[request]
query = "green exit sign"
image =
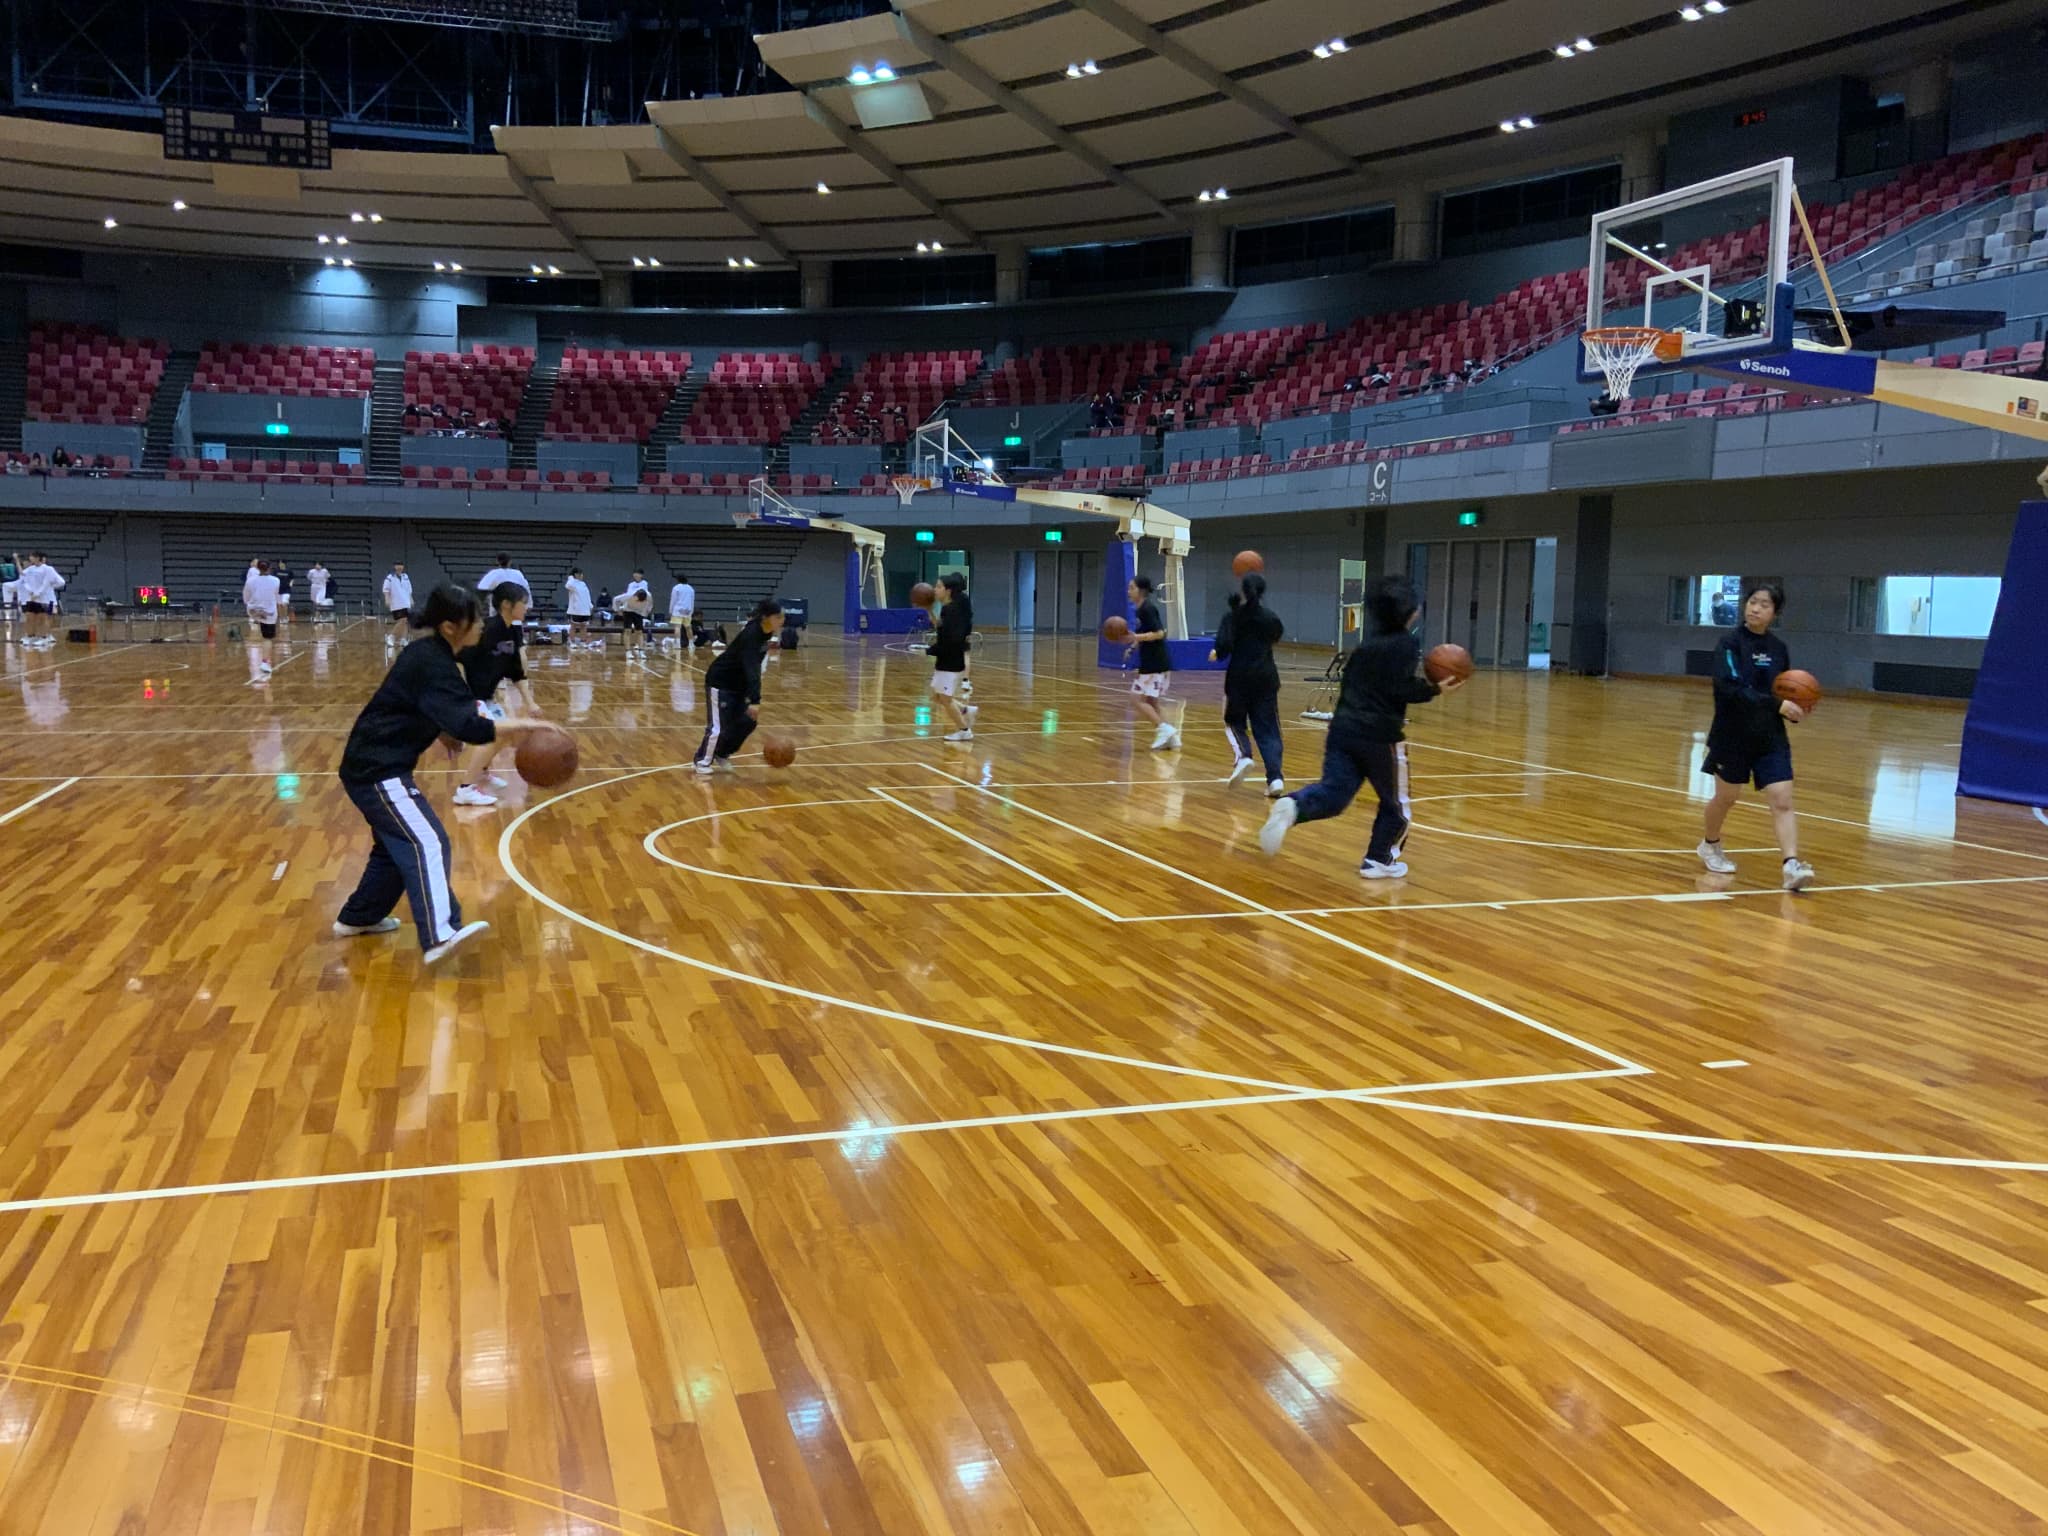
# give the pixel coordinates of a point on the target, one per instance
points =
(1013, 442)
(925, 536)
(277, 429)
(1053, 535)
(1471, 517)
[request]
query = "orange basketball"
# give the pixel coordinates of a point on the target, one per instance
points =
(1802, 688)
(1247, 561)
(923, 595)
(1446, 663)
(546, 758)
(1115, 628)
(778, 751)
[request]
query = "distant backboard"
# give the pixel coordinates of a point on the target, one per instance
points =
(1709, 260)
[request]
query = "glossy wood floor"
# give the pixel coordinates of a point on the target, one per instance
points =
(944, 1140)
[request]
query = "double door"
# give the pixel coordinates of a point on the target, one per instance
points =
(1481, 594)
(1065, 590)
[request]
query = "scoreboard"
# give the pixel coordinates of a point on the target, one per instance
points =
(247, 138)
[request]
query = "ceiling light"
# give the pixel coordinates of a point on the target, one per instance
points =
(858, 75)
(746, 261)
(323, 239)
(1584, 45)
(1214, 195)
(454, 266)
(1563, 50)
(341, 239)
(330, 261)
(534, 270)
(553, 270)
(1689, 12)
(924, 247)
(883, 73)
(732, 261)
(823, 190)
(355, 218)
(1321, 50)
(177, 205)
(638, 262)
(440, 266)
(1204, 196)
(653, 261)
(346, 262)
(1525, 122)
(936, 247)
(1090, 67)
(110, 223)
(1338, 45)
(1073, 71)
(376, 218)
(1507, 127)
(1712, 7)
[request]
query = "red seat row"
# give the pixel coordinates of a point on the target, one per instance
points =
(1048, 375)
(80, 373)
(487, 380)
(117, 466)
(612, 397)
(266, 368)
(285, 471)
(450, 477)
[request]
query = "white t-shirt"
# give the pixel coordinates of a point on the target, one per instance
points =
(260, 594)
(498, 575)
(639, 587)
(682, 598)
(316, 581)
(39, 583)
(397, 592)
(579, 598)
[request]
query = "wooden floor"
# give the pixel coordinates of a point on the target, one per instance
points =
(943, 1140)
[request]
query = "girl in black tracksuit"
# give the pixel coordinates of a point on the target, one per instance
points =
(423, 696)
(1381, 679)
(732, 688)
(1251, 682)
(1747, 742)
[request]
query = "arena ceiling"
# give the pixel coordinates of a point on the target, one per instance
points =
(985, 138)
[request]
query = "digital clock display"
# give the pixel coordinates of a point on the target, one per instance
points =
(1756, 117)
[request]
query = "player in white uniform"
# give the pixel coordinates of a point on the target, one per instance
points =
(39, 585)
(577, 591)
(397, 603)
(682, 615)
(317, 578)
(497, 576)
(633, 606)
(260, 597)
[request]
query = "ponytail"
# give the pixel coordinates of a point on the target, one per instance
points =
(1254, 588)
(766, 608)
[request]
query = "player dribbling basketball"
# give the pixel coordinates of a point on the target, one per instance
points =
(422, 697)
(1747, 743)
(732, 689)
(495, 663)
(948, 652)
(1155, 664)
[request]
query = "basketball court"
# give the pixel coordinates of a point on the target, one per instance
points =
(937, 1138)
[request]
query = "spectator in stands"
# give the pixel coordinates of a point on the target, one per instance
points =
(1603, 404)
(1379, 378)
(60, 458)
(413, 414)
(1352, 384)
(37, 466)
(16, 464)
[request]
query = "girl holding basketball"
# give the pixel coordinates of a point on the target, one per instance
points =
(1155, 663)
(948, 651)
(732, 688)
(1251, 682)
(1381, 679)
(423, 696)
(1747, 743)
(495, 662)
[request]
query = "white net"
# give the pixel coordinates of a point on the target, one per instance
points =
(1620, 350)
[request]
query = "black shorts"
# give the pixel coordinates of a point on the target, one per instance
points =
(267, 631)
(35, 608)
(1772, 766)
(632, 620)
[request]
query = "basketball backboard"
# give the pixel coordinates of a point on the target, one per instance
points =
(1709, 260)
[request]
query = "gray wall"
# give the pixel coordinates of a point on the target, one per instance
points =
(1804, 122)
(1817, 534)
(242, 418)
(1995, 88)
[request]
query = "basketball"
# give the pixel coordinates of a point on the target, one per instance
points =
(1802, 688)
(923, 595)
(546, 758)
(1447, 663)
(778, 751)
(1247, 561)
(1115, 628)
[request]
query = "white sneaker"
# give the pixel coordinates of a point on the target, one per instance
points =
(1166, 736)
(351, 931)
(1275, 788)
(1798, 874)
(495, 782)
(723, 765)
(959, 736)
(966, 688)
(469, 794)
(1278, 825)
(703, 768)
(1239, 769)
(1373, 870)
(1712, 856)
(467, 931)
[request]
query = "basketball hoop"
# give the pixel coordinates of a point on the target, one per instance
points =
(906, 487)
(1619, 350)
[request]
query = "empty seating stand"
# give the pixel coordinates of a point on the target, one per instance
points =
(254, 471)
(265, 368)
(1054, 375)
(1100, 477)
(487, 381)
(893, 393)
(753, 397)
(610, 396)
(79, 373)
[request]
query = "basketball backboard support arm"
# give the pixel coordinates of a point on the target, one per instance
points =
(769, 508)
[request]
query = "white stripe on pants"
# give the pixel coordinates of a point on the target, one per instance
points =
(716, 730)
(427, 848)
(1407, 807)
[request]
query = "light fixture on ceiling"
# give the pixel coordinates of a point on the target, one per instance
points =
(1704, 8)
(1573, 49)
(110, 223)
(883, 73)
(823, 190)
(454, 266)
(1214, 195)
(732, 261)
(1517, 124)
(534, 270)
(1335, 45)
(324, 239)
(553, 270)
(924, 247)
(747, 261)
(376, 218)
(937, 249)
(654, 261)
(329, 260)
(1085, 67)
(858, 75)
(177, 205)
(355, 218)
(440, 266)
(638, 262)
(346, 262)
(1583, 45)
(341, 239)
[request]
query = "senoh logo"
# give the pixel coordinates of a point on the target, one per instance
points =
(1747, 366)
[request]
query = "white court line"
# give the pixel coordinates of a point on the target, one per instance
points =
(2041, 816)
(1723, 1066)
(1738, 1144)
(1395, 909)
(1295, 922)
(29, 805)
(648, 843)
(278, 873)
(300, 648)
(1053, 887)
(76, 661)
(1473, 794)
